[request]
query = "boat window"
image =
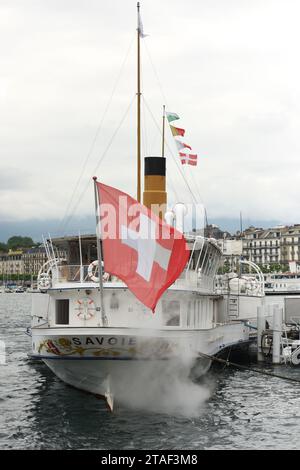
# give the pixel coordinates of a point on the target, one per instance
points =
(171, 312)
(62, 312)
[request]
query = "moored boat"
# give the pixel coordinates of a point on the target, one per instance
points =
(97, 331)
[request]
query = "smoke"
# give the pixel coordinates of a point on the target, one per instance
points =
(163, 386)
(160, 378)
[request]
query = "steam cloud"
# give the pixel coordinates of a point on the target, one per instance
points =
(162, 387)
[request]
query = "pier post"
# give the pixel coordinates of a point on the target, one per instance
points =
(260, 328)
(277, 332)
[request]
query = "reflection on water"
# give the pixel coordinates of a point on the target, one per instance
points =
(38, 411)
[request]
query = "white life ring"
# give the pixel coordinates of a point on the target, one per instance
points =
(44, 280)
(92, 269)
(86, 308)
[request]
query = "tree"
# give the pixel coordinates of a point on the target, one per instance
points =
(19, 242)
(223, 269)
(275, 268)
(3, 247)
(263, 268)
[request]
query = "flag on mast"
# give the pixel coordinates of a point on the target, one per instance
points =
(188, 158)
(139, 247)
(181, 145)
(140, 24)
(177, 131)
(172, 116)
(185, 156)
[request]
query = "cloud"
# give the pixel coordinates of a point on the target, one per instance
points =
(13, 180)
(229, 69)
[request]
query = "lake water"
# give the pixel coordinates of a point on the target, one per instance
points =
(244, 410)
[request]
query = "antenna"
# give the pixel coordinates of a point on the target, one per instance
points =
(163, 132)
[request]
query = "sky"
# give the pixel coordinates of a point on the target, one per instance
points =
(228, 68)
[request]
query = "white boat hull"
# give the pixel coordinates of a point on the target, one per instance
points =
(109, 360)
(115, 377)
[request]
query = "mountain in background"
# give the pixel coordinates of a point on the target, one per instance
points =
(37, 228)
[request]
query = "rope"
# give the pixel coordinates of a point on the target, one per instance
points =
(195, 183)
(99, 162)
(166, 102)
(251, 369)
(172, 154)
(98, 130)
(170, 180)
(156, 74)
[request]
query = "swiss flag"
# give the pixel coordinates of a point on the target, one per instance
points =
(139, 247)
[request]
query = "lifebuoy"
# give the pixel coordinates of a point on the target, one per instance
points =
(44, 280)
(86, 308)
(92, 269)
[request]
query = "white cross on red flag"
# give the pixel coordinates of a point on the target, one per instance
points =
(188, 158)
(138, 247)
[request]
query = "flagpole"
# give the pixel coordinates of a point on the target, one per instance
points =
(163, 132)
(80, 257)
(138, 110)
(99, 253)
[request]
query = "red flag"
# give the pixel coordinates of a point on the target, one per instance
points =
(177, 131)
(139, 247)
(189, 158)
(182, 145)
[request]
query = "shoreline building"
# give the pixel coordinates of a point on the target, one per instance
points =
(11, 263)
(24, 261)
(290, 245)
(33, 259)
(278, 246)
(263, 246)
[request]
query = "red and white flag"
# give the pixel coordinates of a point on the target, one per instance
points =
(138, 247)
(185, 157)
(188, 158)
(181, 145)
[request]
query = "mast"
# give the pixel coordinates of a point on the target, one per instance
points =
(80, 256)
(138, 108)
(163, 132)
(241, 223)
(99, 252)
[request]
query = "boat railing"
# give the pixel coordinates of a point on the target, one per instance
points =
(187, 277)
(244, 284)
(205, 283)
(64, 273)
(78, 273)
(203, 263)
(72, 273)
(240, 288)
(194, 279)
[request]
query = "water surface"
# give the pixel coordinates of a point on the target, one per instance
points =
(245, 410)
